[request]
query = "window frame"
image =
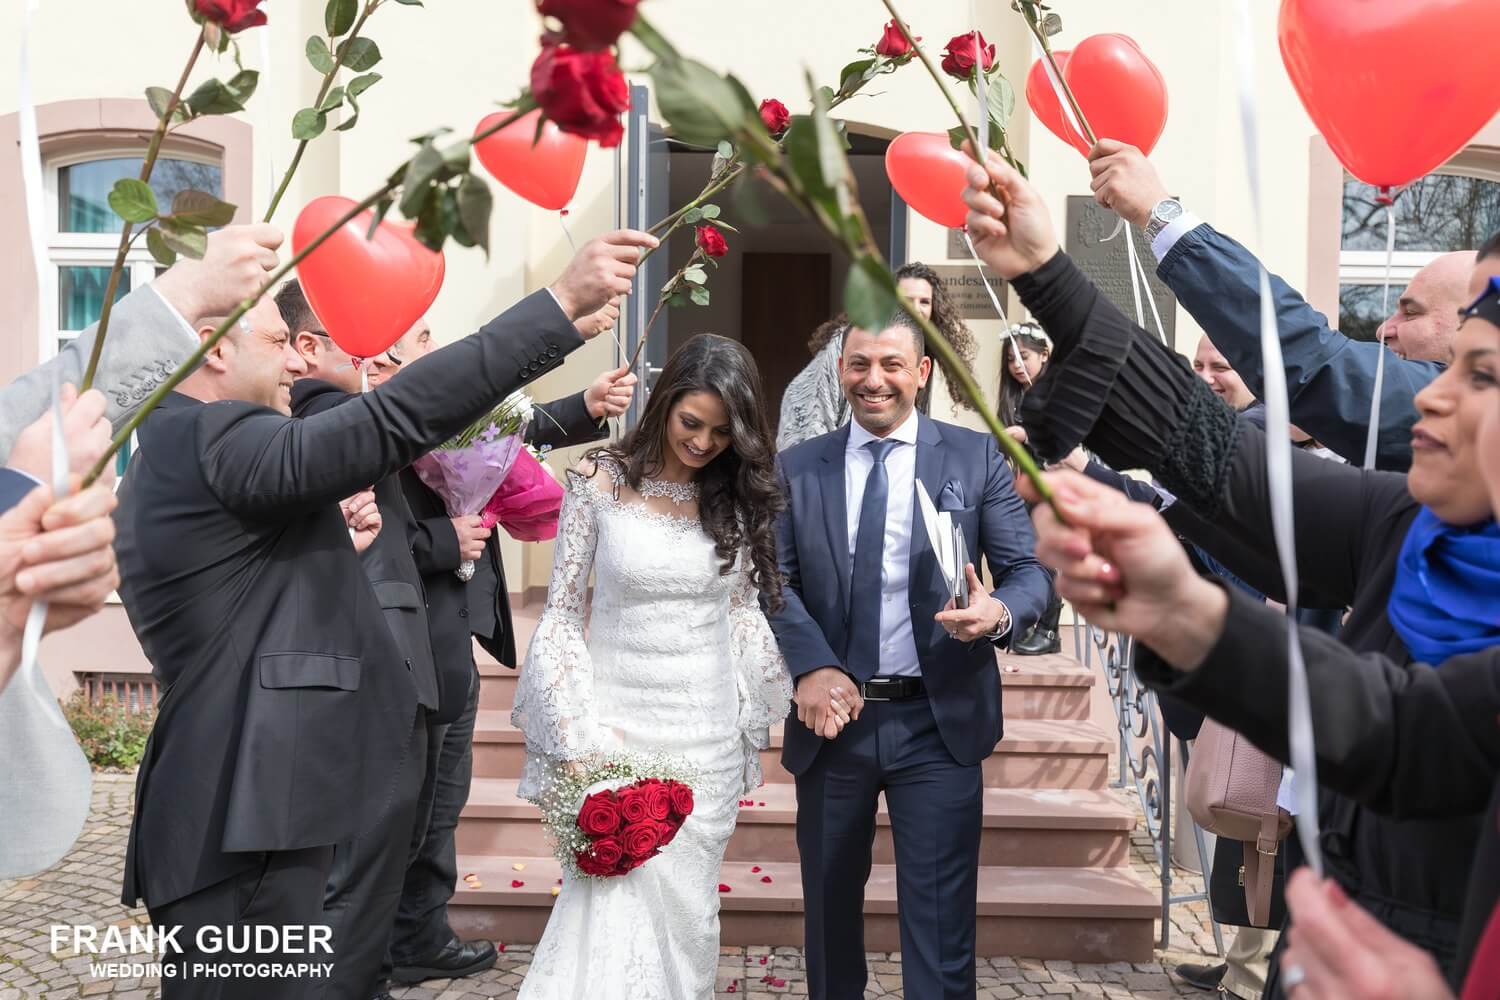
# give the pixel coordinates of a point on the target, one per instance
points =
(66, 249)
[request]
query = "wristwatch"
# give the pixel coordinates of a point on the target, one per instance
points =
(1001, 627)
(1166, 211)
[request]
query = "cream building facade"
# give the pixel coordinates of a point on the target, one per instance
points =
(450, 62)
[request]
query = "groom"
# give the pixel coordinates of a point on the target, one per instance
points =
(868, 638)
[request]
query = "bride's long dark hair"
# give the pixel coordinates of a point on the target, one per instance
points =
(739, 494)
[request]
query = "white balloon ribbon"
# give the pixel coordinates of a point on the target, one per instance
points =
(1279, 474)
(1010, 334)
(1372, 435)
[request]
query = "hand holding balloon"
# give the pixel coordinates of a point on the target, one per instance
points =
(1007, 220)
(601, 271)
(1125, 181)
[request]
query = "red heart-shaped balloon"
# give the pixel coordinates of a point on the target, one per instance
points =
(928, 173)
(545, 173)
(365, 292)
(1046, 105)
(1396, 87)
(1122, 93)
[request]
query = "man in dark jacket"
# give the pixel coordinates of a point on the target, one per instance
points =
(424, 946)
(364, 884)
(286, 713)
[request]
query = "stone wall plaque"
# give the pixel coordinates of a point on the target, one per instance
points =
(967, 290)
(1108, 265)
(957, 249)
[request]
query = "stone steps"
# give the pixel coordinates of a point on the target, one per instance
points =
(1082, 914)
(1032, 687)
(1040, 828)
(1035, 753)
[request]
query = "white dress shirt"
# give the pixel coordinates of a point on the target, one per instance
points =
(1174, 231)
(898, 646)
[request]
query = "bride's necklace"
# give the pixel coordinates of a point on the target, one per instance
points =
(676, 492)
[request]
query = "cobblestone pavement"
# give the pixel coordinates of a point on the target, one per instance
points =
(84, 889)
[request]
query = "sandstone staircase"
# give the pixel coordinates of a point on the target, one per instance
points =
(1055, 880)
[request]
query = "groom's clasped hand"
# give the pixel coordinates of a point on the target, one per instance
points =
(827, 700)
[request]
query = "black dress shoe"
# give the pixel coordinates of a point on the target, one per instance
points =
(1038, 642)
(457, 960)
(1205, 977)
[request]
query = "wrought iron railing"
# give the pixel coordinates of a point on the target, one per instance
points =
(1145, 754)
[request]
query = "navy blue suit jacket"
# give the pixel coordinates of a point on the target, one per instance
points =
(964, 473)
(13, 487)
(1330, 378)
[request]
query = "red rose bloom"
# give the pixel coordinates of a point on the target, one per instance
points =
(682, 799)
(958, 57)
(659, 801)
(591, 24)
(599, 814)
(667, 832)
(633, 805)
(775, 115)
(583, 92)
(893, 43)
(608, 850)
(711, 241)
(232, 15)
(640, 839)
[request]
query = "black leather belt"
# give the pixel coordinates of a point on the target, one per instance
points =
(892, 688)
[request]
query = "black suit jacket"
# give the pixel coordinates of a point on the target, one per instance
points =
(966, 475)
(460, 612)
(388, 564)
(286, 708)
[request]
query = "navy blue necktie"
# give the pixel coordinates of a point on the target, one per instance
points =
(863, 659)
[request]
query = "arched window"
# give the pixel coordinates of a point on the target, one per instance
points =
(1455, 209)
(85, 232)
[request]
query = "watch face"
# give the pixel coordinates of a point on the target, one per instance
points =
(1167, 210)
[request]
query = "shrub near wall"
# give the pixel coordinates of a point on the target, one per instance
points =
(112, 736)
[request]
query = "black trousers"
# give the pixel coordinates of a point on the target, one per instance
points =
(936, 809)
(284, 889)
(422, 918)
(364, 886)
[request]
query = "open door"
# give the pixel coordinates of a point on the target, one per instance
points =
(648, 176)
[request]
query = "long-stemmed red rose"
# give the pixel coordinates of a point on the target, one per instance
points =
(583, 92)
(233, 16)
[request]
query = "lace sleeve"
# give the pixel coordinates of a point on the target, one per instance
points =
(555, 694)
(761, 675)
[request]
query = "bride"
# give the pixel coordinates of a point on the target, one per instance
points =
(677, 524)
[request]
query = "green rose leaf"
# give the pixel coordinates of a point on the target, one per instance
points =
(653, 41)
(242, 85)
(200, 208)
(334, 99)
(692, 216)
(360, 84)
(1052, 25)
(474, 204)
(852, 76)
(699, 295)
(710, 211)
(438, 219)
(184, 237)
(801, 145)
(1002, 99)
(308, 123)
(702, 107)
(748, 206)
(695, 275)
(359, 54)
(213, 98)
(133, 200)
(410, 3)
(160, 252)
(318, 55)
(424, 168)
(159, 98)
(870, 294)
(377, 215)
(338, 17)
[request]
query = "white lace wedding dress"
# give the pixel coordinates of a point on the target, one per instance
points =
(678, 659)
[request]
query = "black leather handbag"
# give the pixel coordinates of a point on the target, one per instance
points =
(1226, 886)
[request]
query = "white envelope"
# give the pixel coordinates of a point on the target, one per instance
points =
(947, 543)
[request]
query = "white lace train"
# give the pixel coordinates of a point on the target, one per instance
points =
(678, 659)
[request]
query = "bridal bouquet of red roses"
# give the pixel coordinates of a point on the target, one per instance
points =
(629, 826)
(613, 817)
